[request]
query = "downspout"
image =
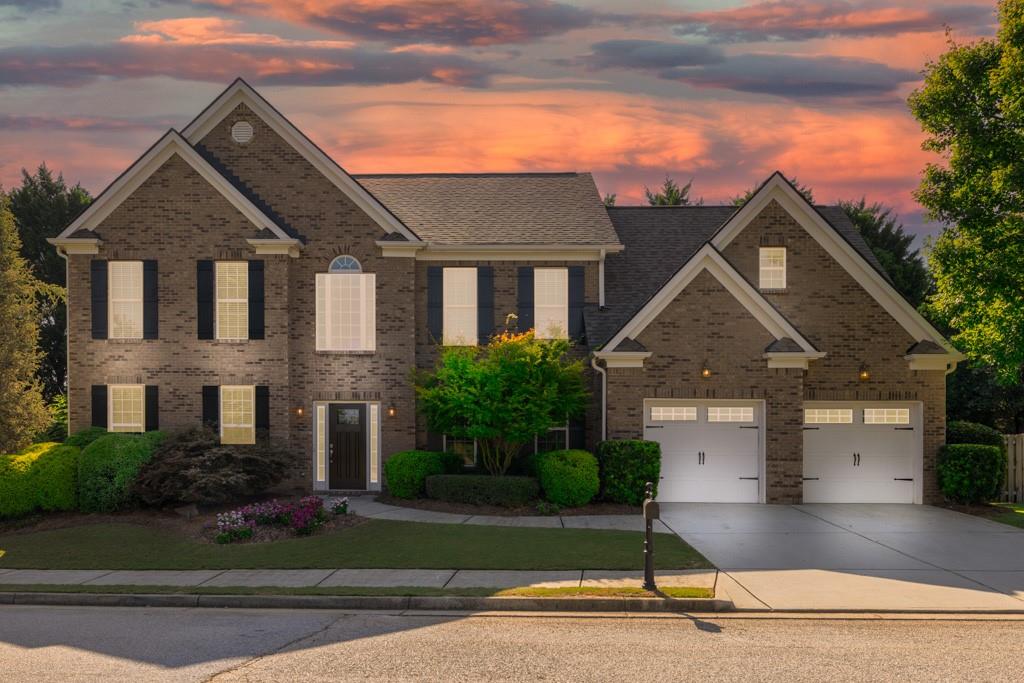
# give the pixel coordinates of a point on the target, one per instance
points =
(600, 281)
(604, 397)
(67, 335)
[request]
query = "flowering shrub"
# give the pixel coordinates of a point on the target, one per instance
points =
(303, 517)
(340, 507)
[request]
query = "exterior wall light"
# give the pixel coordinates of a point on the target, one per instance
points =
(705, 371)
(392, 410)
(299, 411)
(864, 374)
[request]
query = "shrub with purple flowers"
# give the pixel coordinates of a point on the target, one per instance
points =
(303, 517)
(233, 526)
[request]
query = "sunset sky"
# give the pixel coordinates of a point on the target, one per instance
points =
(723, 92)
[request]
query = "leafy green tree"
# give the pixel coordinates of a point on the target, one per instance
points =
(971, 107)
(882, 230)
(503, 394)
(974, 394)
(671, 194)
(43, 206)
(741, 199)
(609, 199)
(22, 411)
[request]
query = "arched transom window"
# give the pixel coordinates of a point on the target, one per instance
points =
(345, 264)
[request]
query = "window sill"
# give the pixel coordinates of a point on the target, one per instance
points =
(771, 290)
(123, 340)
(229, 342)
(341, 352)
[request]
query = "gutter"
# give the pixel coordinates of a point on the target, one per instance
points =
(604, 397)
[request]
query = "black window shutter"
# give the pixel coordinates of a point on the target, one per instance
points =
(525, 312)
(99, 405)
(204, 299)
(152, 408)
(256, 315)
(262, 407)
(211, 407)
(98, 274)
(150, 302)
(575, 302)
(435, 442)
(484, 303)
(577, 433)
(435, 301)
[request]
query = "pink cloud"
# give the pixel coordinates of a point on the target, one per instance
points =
(214, 31)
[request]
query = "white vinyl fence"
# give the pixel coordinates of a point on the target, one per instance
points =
(1014, 469)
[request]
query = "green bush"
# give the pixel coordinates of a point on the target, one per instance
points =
(406, 472)
(108, 467)
(41, 477)
(568, 478)
(85, 437)
(192, 466)
(483, 489)
(973, 432)
(626, 466)
(58, 429)
(971, 473)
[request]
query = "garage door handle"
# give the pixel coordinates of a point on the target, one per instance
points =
(809, 428)
(655, 426)
(904, 429)
(750, 478)
(749, 427)
(812, 478)
(903, 479)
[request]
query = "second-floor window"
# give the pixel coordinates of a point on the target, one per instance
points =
(551, 302)
(125, 299)
(232, 311)
(460, 306)
(772, 273)
(346, 307)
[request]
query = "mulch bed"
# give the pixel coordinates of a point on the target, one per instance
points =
(983, 510)
(524, 511)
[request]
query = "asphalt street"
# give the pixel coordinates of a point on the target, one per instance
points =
(89, 643)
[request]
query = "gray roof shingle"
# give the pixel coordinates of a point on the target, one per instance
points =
(496, 208)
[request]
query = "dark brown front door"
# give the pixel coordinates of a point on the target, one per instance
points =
(347, 446)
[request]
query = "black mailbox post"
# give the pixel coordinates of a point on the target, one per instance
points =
(651, 513)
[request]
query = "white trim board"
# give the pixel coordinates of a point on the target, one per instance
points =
(707, 258)
(241, 92)
(777, 188)
(170, 144)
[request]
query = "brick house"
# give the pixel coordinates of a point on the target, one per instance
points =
(236, 275)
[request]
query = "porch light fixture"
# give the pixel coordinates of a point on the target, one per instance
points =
(705, 371)
(392, 410)
(299, 411)
(864, 374)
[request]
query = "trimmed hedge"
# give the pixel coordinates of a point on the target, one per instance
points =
(568, 478)
(973, 432)
(483, 489)
(625, 468)
(85, 437)
(192, 466)
(971, 473)
(406, 472)
(41, 477)
(108, 467)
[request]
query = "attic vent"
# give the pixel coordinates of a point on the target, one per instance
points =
(241, 132)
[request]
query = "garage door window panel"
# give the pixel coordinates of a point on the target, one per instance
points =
(822, 416)
(730, 414)
(674, 414)
(886, 416)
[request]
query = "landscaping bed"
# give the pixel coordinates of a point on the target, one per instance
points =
(595, 508)
(1005, 513)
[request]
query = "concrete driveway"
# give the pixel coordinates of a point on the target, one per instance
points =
(857, 557)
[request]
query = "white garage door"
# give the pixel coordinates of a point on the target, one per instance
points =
(861, 452)
(709, 450)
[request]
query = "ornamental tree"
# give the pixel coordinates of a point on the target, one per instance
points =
(503, 394)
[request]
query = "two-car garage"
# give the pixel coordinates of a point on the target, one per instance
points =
(853, 452)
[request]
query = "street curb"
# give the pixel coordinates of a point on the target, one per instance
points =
(361, 602)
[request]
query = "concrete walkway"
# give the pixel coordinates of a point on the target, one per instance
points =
(366, 506)
(350, 578)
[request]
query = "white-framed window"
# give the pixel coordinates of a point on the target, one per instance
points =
(321, 443)
(232, 309)
(673, 413)
(460, 300)
(772, 268)
(374, 442)
(346, 313)
(125, 299)
(887, 416)
(551, 302)
(464, 448)
(238, 414)
(730, 413)
(126, 408)
(828, 416)
(555, 439)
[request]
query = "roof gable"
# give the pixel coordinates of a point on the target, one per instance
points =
(167, 146)
(241, 92)
(778, 189)
(707, 258)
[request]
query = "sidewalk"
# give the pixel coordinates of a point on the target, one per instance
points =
(372, 578)
(366, 506)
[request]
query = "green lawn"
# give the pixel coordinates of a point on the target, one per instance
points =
(375, 544)
(1014, 514)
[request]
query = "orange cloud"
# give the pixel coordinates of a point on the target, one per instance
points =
(214, 31)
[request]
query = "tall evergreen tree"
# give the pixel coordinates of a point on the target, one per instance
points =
(671, 194)
(22, 411)
(741, 199)
(42, 207)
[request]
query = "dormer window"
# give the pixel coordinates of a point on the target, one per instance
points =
(772, 268)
